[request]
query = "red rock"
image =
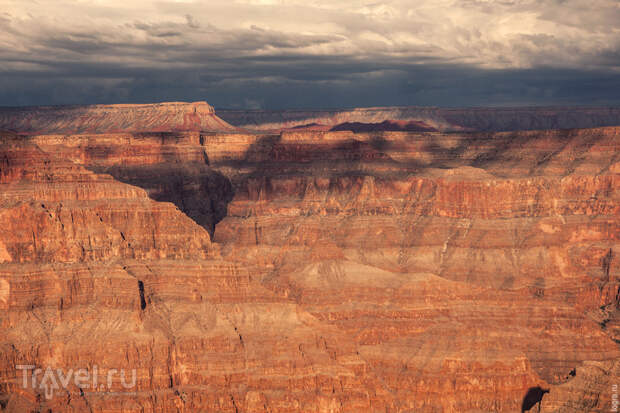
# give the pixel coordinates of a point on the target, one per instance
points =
(165, 117)
(320, 270)
(386, 125)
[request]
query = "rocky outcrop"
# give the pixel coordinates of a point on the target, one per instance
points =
(160, 117)
(323, 271)
(592, 387)
(444, 119)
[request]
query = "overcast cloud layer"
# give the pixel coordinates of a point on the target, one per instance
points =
(311, 53)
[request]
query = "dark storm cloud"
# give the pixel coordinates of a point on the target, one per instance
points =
(278, 54)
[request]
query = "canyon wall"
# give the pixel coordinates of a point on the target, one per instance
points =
(165, 117)
(311, 271)
(444, 119)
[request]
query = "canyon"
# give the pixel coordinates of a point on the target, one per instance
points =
(368, 260)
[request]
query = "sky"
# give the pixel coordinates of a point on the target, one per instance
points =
(277, 54)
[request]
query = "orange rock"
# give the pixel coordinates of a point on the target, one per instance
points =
(307, 271)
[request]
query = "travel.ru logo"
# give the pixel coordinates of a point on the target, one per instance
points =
(50, 380)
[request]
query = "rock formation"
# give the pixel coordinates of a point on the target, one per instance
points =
(309, 270)
(444, 119)
(164, 117)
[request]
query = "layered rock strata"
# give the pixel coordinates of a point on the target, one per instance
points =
(95, 275)
(312, 270)
(165, 117)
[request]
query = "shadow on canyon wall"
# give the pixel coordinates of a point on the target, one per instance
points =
(198, 190)
(203, 189)
(533, 397)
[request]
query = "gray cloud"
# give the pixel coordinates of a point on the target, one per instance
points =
(277, 53)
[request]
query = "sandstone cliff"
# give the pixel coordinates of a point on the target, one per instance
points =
(170, 116)
(313, 271)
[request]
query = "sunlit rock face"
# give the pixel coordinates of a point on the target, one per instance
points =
(168, 116)
(308, 270)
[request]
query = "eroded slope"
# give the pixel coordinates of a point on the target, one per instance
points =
(345, 271)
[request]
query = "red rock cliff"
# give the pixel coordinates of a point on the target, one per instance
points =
(312, 271)
(169, 116)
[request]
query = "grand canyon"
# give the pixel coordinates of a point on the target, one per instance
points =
(400, 259)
